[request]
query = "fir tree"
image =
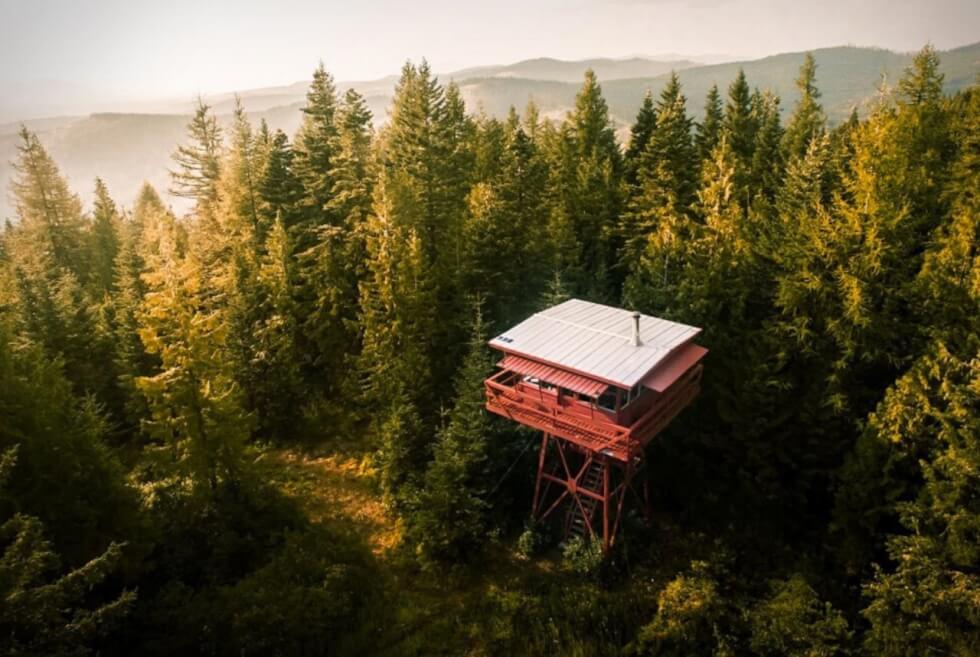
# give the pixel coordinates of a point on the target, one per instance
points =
(589, 191)
(767, 156)
(709, 130)
(279, 189)
(449, 521)
(667, 175)
(315, 148)
(640, 134)
(50, 267)
(104, 240)
(740, 126)
(397, 305)
(807, 121)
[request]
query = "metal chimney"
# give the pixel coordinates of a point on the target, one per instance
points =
(636, 329)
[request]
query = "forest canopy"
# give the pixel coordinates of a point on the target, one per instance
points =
(168, 384)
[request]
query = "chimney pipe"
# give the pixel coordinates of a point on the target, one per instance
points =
(636, 329)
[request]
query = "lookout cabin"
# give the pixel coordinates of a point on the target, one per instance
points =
(600, 383)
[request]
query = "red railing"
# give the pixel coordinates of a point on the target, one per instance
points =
(505, 398)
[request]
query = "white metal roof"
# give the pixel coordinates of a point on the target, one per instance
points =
(595, 340)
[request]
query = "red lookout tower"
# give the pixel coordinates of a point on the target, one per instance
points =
(600, 383)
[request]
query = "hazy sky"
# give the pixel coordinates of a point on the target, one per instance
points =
(133, 48)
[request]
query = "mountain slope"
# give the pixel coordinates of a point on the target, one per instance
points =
(126, 149)
(556, 70)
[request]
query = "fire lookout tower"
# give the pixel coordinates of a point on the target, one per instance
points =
(600, 383)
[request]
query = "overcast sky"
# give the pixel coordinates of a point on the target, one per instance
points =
(133, 48)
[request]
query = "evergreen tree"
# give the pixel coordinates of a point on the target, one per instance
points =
(333, 265)
(199, 161)
(767, 157)
(50, 214)
(241, 177)
(449, 521)
(667, 175)
(807, 121)
(138, 234)
(640, 135)
(505, 224)
(195, 405)
(64, 476)
(739, 126)
(104, 240)
(738, 123)
(807, 184)
(709, 130)
(274, 367)
(315, 148)
(588, 190)
(279, 188)
(927, 602)
(922, 83)
(425, 166)
(353, 165)
(44, 611)
(397, 317)
(47, 253)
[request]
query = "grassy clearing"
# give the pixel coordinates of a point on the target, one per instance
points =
(339, 491)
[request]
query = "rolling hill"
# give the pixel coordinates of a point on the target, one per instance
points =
(128, 148)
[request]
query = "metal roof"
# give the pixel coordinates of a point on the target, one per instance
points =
(553, 375)
(595, 341)
(674, 367)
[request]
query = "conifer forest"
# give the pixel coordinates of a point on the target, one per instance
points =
(258, 427)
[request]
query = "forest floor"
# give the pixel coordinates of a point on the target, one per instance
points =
(466, 609)
(339, 491)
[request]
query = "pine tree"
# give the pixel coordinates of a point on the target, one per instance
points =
(199, 161)
(397, 318)
(64, 476)
(910, 425)
(50, 214)
(807, 185)
(738, 123)
(104, 240)
(449, 520)
(709, 130)
(739, 126)
(195, 405)
(48, 610)
(241, 175)
(45, 612)
(274, 367)
(353, 165)
(425, 164)
(331, 267)
(505, 224)
(315, 148)
(767, 157)
(49, 267)
(927, 601)
(666, 179)
(279, 188)
(137, 236)
(592, 201)
(807, 121)
(922, 83)
(640, 134)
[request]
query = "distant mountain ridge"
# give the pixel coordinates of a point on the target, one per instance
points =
(126, 148)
